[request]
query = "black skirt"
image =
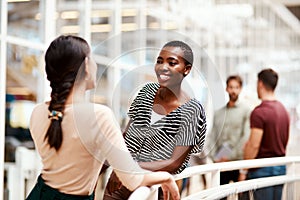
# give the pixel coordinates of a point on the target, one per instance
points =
(42, 191)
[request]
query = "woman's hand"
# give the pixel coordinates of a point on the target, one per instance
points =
(167, 182)
(170, 188)
(242, 175)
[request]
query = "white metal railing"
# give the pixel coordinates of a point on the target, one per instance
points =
(22, 174)
(215, 191)
(215, 168)
(238, 187)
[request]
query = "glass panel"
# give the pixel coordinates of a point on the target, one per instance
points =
(1, 17)
(101, 26)
(24, 20)
(23, 71)
(68, 14)
(22, 87)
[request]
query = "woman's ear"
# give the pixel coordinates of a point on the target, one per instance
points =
(187, 69)
(87, 70)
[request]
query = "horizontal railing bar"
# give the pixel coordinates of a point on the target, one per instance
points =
(242, 186)
(233, 165)
(7, 165)
(25, 43)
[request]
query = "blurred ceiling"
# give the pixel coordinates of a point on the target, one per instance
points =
(29, 9)
(25, 11)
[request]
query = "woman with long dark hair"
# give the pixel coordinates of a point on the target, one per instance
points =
(75, 137)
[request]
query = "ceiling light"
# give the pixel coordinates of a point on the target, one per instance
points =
(69, 29)
(69, 14)
(129, 12)
(101, 13)
(101, 28)
(129, 27)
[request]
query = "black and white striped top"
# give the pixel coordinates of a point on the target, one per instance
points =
(184, 126)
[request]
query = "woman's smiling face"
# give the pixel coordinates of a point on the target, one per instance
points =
(170, 67)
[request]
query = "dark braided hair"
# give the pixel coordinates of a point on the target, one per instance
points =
(63, 59)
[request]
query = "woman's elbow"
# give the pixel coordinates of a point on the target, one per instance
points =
(173, 167)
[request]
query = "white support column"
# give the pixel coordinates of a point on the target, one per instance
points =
(211, 48)
(215, 178)
(85, 7)
(291, 186)
(163, 37)
(141, 20)
(114, 47)
(49, 19)
(2, 90)
(85, 19)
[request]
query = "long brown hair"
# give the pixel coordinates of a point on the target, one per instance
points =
(63, 59)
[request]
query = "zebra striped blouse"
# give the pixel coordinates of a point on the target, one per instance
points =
(184, 126)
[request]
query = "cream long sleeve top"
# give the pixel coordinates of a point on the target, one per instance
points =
(90, 136)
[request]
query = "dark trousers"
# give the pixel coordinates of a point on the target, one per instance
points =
(41, 191)
(227, 176)
(266, 193)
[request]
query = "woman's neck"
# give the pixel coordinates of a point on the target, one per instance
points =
(77, 95)
(169, 95)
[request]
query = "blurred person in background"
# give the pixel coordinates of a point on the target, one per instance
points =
(166, 125)
(230, 129)
(74, 137)
(270, 124)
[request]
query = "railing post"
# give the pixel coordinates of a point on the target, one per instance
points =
(215, 178)
(291, 186)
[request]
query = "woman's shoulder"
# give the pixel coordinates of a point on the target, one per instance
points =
(194, 109)
(195, 104)
(103, 110)
(40, 107)
(95, 107)
(150, 86)
(90, 112)
(147, 91)
(87, 109)
(39, 113)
